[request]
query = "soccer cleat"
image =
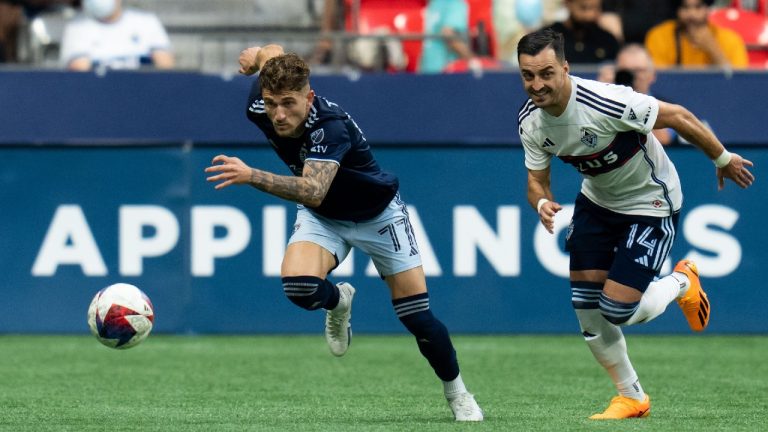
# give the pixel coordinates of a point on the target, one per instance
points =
(465, 407)
(694, 303)
(622, 407)
(338, 331)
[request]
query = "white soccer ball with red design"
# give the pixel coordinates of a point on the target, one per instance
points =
(120, 316)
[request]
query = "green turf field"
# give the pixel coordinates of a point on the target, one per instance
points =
(271, 383)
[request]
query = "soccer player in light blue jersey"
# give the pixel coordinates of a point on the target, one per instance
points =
(344, 199)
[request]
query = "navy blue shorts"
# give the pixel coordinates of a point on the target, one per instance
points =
(631, 248)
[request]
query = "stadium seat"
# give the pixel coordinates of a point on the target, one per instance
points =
(462, 65)
(752, 25)
(481, 27)
(401, 17)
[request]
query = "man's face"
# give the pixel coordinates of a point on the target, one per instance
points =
(640, 66)
(544, 78)
(288, 110)
(693, 13)
(584, 11)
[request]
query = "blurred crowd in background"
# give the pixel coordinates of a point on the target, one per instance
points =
(395, 36)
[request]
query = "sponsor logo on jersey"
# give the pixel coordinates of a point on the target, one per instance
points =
(317, 136)
(588, 138)
(657, 203)
(632, 115)
(548, 143)
(319, 149)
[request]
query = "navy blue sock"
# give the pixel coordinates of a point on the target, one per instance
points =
(311, 292)
(431, 335)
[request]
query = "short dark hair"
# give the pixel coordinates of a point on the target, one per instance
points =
(533, 43)
(286, 72)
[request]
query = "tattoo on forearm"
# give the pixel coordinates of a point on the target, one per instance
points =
(310, 189)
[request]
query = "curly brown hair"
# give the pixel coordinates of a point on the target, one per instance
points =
(286, 72)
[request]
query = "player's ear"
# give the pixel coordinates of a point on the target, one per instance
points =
(566, 66)
(310, 97)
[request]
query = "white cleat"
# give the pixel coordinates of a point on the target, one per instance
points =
(338, 331)
(465, 408)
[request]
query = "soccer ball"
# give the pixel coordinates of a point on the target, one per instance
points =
(120, 316)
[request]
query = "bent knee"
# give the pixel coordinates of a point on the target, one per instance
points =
(616, 312)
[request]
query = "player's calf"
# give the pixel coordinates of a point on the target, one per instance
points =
(431, 335)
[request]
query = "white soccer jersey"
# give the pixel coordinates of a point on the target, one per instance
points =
(124, 44)
(605, 133)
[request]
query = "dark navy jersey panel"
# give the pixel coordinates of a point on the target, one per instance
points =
(360, 190)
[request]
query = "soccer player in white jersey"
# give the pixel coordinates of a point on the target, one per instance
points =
(625, 215)
(344, 199)
(106, 35)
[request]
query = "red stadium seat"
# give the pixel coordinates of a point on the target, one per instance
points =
(402, 16)
(411, 22)
(751, 25)
(462, 65)
(481, 16)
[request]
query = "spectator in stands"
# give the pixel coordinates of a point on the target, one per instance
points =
(585, 40)
(12, 15)
(636, 17)
(107, 35)
(10, 19)
(634, 68)
(691, 40)
(450, 19)
(330, 21)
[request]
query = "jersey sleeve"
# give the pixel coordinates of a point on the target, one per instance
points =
(255, 106)
(456, 17)
(157, 38)
(329, 141)
(535, 158)
(75, 41)
(640, 110)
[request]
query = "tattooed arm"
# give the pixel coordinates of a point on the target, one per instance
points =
(309, 189)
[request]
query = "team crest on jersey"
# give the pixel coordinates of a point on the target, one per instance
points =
(588, 138)
(317, 136)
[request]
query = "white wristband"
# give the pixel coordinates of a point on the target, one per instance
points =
(723, 160)
(541, 203)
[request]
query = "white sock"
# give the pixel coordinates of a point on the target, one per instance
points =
(343, 305)
(657, 296)
(606, 341)
(451, 389)
(631, 388)
(685, 283)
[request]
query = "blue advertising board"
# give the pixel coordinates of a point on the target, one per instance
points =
(76, 219)
(48, 107)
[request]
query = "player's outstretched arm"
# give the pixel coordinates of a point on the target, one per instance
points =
(540, 197)
(252, 59)
(309, 189)
(729, 165)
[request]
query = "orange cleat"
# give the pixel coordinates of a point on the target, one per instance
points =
(694, 303)
(622, 407)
